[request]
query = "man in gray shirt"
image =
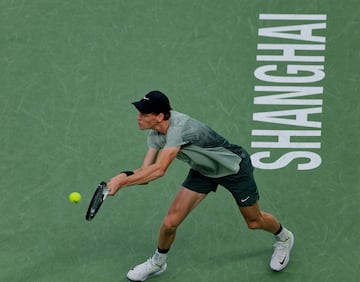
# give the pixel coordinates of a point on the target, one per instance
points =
(213, 161)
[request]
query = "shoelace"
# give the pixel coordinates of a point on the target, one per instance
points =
(154, 266)
(280, 248)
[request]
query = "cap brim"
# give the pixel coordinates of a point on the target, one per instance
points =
(139, 105)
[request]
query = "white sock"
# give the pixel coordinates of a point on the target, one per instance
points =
(159, 258)
(283, 235)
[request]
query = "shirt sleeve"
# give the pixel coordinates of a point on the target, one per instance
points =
(153, 140)
(175, 138)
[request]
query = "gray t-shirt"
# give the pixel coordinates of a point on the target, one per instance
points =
(201, 147)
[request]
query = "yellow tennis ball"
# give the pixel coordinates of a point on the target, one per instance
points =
(75, 197)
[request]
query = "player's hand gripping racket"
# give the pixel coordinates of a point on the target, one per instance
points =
(98, 198)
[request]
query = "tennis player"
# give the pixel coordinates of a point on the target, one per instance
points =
(213, 161)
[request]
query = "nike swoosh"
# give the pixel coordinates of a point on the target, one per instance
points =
(282, 262)
(245, 199)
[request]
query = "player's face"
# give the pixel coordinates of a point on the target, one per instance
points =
(147, 121)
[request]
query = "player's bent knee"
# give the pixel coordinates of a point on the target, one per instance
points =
(169, 225)
(253, 225)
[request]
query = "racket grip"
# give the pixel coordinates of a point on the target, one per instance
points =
(105, 193)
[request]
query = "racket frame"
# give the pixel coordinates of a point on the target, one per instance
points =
(98, 198)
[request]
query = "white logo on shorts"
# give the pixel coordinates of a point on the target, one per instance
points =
(245, 199)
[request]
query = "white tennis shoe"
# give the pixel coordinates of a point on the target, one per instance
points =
(145, 270)
(281, 255)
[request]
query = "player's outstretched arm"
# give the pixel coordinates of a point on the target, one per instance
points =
(149, 171)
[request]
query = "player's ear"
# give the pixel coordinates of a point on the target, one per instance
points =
(160, 117)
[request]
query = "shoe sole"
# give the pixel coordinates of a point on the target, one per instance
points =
(151, 275)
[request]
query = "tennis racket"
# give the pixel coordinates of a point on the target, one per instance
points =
(98, 198)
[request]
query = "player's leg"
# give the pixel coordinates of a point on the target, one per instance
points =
(184, 202)
(257, 219)
(244, 190)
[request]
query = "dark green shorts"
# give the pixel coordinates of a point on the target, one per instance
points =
(241, 185)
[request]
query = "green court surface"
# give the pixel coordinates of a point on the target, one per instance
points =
(69, 71)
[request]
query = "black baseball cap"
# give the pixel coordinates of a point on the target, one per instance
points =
(153, 102)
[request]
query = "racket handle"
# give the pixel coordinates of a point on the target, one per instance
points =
(105, 193)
